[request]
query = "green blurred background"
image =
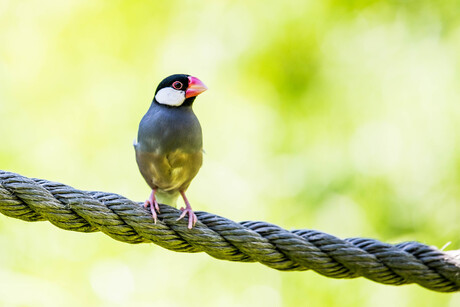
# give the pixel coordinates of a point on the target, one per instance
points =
(341, 116)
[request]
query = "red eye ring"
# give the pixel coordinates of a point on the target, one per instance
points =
(177, 85)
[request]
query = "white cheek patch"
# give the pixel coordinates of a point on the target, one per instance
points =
(170, 96)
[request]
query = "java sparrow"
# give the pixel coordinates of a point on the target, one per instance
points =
(169, 147)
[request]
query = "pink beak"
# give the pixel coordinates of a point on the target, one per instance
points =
(195, 87)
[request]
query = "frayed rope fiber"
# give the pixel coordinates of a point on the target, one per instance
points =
(31, 200)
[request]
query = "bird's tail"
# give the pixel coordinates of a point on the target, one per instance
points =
(167, 198)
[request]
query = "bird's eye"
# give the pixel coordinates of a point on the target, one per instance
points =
(177, 85)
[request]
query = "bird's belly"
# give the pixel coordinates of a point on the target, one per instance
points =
(170, 172)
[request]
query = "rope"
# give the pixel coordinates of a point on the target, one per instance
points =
(31, 200)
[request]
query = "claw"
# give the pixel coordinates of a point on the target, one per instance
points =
(154, 207)
(192, 218)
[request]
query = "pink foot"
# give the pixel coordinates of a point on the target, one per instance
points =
(154, 208)
(192, 218)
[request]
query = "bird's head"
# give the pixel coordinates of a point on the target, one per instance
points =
(177, 90)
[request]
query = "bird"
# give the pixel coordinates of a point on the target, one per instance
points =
(169, 146)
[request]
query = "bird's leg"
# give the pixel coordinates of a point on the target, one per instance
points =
(152, 202)
(192, 219)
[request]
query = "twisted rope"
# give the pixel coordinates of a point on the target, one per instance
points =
(32, 200)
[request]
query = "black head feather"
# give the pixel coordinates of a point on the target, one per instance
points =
(168, 81)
